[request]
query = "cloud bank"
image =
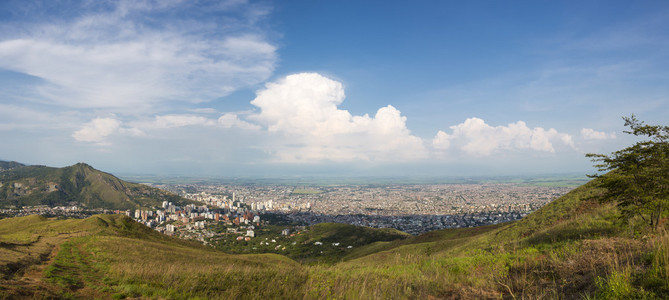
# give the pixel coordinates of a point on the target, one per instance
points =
(115, 55)
(99, 130)
(476, 138)
(299, 121)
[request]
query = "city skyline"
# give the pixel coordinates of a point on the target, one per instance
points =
(248, 88)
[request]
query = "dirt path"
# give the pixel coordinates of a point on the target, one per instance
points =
(30, 284)
(25, 279)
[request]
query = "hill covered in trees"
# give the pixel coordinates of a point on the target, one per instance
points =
(8, 165)
(79, 184)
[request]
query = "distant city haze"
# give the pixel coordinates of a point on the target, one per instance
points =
(412, 208)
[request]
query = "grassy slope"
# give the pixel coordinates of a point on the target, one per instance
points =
(111, 255)
(344, 234)
(571, 248)
(445, 236)
(575, 215)
(351, 234)
(79, 183)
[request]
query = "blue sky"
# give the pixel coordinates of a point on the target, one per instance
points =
(345, 88)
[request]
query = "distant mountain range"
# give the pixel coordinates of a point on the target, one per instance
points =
(79, 184)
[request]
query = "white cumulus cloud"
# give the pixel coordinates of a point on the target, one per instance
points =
(172, 121)
(442, 140)
(97, 130)
(591, 134)
(231, 120)
(303, 109)
(475, 137)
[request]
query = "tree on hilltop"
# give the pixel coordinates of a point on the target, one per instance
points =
(639, 177)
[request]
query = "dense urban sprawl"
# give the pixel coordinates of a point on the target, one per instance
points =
(414, 209)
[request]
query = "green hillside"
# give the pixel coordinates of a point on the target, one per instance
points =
(79, 185)
(7, 165)
(336, 240)
(351, 235)
(108, 256)
(573, 248)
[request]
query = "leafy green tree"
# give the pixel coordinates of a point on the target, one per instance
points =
(639, 175)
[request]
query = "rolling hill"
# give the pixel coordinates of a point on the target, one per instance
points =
(79, 184)
(572, 248)
(8, 165)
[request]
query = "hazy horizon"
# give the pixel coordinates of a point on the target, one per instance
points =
(269, 172)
